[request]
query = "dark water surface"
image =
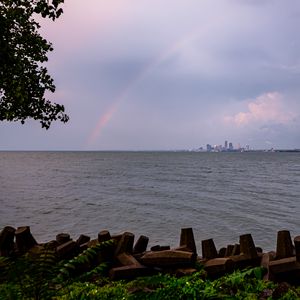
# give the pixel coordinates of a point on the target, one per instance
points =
(220, 195)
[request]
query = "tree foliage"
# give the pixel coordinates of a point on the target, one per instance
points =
(24, 80)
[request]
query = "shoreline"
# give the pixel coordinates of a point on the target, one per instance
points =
(130, 259)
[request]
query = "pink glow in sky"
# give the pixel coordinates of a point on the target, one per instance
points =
(265, 108)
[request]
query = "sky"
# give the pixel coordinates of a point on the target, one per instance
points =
(170, 75)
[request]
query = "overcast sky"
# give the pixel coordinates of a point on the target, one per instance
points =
(164, 75)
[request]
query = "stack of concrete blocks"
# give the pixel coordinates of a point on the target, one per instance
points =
(226, 260)
(284, 264)
(130, 260)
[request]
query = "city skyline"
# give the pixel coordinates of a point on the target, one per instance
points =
(226, 147)
(229, 146)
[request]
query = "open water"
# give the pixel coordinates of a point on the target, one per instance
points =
(219, 195)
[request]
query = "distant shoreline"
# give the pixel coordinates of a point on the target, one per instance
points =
(245, 151)
(182, 150)
(296, 150)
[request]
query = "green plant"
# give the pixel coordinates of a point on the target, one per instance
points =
(96, 275)
(24, 80)
(247, 284)
(4, 267)
(30, 276)
(10, 291)
(243, 284)
(85, 261)
(90, 291)
(167, 287)
(28, 279)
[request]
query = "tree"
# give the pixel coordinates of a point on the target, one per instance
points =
(24, 80)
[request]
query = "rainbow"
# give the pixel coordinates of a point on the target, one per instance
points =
(105, 118)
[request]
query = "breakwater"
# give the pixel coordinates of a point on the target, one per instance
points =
(129, 259)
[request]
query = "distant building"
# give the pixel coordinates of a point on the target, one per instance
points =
(218, 148)
(226, 147)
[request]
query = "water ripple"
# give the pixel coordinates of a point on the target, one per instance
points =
(220, 195)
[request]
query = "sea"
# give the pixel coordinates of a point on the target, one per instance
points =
(219, 195)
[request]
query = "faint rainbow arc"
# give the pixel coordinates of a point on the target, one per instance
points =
(107, 116)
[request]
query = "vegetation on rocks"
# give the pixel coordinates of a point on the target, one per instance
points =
(42, 277)
(112, 267)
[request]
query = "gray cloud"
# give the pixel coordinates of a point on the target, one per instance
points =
(165, 74)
